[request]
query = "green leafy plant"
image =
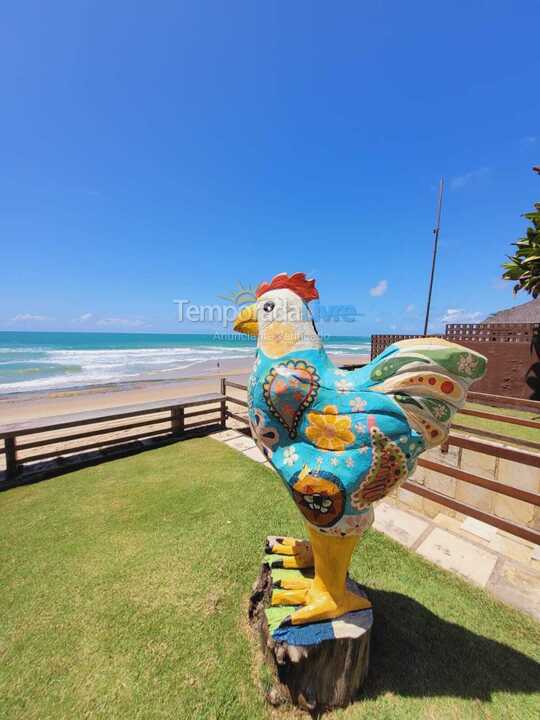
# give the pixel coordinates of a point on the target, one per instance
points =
(524, 266)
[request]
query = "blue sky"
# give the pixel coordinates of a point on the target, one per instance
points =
(164, 150)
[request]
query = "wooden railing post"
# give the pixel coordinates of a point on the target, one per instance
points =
(223, 403)
(177, 420)
(10, 446)
(223, 419)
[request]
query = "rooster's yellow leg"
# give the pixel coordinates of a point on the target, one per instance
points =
(328, 597)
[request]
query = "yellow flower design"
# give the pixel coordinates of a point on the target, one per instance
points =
(279, 339)
(328, 430)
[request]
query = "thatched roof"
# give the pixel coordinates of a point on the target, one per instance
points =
(529, 312)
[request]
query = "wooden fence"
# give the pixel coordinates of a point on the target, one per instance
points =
(53, 437)
(27, 443)
(527, 333)
(512, 351)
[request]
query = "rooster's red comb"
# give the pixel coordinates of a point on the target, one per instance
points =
(297, 282)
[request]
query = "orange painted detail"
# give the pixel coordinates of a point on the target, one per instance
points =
(320, 498)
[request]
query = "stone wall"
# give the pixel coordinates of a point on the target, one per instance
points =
(492, 468)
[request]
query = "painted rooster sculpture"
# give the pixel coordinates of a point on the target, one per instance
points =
(340, 440)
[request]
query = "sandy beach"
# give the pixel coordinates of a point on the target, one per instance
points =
(27, 406)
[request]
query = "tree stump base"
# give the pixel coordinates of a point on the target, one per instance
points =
(316, 666)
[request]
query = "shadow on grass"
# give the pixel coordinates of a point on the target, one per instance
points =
(416, 653)
(30, 474)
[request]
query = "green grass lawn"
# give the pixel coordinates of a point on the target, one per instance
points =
(125, 589)
(513, 432)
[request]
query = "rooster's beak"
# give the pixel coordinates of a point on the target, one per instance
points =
(246, 320)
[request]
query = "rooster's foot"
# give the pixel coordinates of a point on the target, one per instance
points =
(295, 583)
(289, 597)
(296, 553)
(321, 605)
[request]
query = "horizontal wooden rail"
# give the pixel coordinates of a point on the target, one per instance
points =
(198, 413)
(209, 422)
(498, 487)
(236, 385)
(513, 528)
(233, 399)
(498, 400)
(499, 451)
(240, 418)
(496, 436)
(500, 418)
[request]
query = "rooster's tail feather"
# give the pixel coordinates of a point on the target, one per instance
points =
(429, 379)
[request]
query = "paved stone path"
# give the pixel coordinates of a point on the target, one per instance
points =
(504, 565)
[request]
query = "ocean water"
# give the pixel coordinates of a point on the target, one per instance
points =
(42, 361)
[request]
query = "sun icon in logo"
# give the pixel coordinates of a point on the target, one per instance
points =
(243, 295)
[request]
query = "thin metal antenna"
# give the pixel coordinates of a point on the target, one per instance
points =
(435, 246)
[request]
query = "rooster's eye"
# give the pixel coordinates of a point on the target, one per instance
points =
(268, 306)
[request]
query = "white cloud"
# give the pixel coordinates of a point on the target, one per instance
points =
(458, 315)
(84, 318)
(88, 319)
(410, 308)
(120, 322)
(461, 181)
(380, 288)
(28, 317)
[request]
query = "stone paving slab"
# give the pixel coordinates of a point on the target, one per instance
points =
(516, 585)
(255, 454)
(226, 435)
(232, 423)
(477, 527)
(510, 548)
(241, 443)
(399, 525)
(460, 556)
(447, 522)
